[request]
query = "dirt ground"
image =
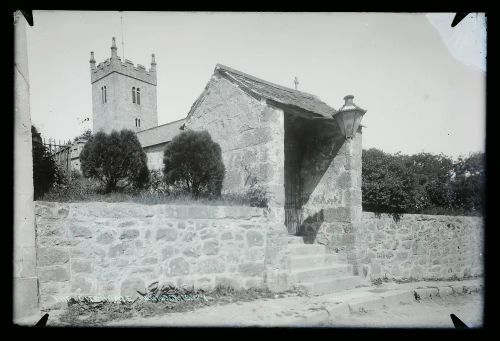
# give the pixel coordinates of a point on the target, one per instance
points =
(384, 306)
(429, 313)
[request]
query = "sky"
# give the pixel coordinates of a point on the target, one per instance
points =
(421, 82)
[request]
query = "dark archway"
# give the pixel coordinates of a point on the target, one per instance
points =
(310, 147)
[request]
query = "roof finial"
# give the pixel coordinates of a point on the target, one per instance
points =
(113, 48)
(296, 81)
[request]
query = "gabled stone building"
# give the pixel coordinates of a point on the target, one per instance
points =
(289, 141)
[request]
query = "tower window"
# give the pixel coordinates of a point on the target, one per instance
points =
(138, 96)
(133, 96)
(103, 94)
(138, 122)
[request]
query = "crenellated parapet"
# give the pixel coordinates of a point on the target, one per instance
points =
(126, 67)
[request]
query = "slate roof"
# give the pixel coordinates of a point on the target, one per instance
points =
(160, 134)
(307, 103)
(277, 93)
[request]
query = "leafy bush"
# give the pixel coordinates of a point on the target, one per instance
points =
(469, 183)
(116, 160)
(422, 183)
(389, 186)
(193, 164)
(45, 171)
(256, 194)
(75, 189)
(433, 173)
(156, 183)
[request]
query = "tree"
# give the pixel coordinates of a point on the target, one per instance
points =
(85, 135)
(433, 173)
(388, 185)
(116, 160)
(45, 172)
(469, 183)
(424, 182)
(193, 163)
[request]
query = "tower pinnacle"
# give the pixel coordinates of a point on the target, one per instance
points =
(153, 62)
(92, 60)
(113, 49)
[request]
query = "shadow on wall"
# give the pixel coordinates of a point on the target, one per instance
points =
(322, 146)
(311, 147)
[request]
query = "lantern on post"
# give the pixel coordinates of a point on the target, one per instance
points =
(349, 117)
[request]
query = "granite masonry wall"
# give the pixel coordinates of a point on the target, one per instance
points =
(333, 207)
(114, 249)
(419, 246)
(250, 134)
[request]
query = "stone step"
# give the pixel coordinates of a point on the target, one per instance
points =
(320, 273)
(331, 285)
(306, 249)
(312, 261)
(295, 240)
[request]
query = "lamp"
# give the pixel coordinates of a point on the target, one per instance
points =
(349, 117)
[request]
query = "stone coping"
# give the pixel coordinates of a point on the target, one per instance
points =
(175, 211)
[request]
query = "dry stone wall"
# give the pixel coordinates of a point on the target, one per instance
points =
(420, 246)
(115, 249)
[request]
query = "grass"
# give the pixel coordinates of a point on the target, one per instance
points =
(85, 313)
(385, 279)
(86, 190)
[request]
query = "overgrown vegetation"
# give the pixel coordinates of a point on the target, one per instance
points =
(422, 183)
(81, 189)
(116, 160)
(193, 164)
(255, 193)
(159, 301)
(45, 171)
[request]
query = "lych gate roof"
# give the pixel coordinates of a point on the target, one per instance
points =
(160, 134)
(277, 93)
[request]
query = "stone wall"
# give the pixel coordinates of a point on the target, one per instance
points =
(114, 249)
(333, 188)
(419, 246)
(250, 134)
(155, 156)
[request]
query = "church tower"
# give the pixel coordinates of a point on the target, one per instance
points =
(123, 95)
